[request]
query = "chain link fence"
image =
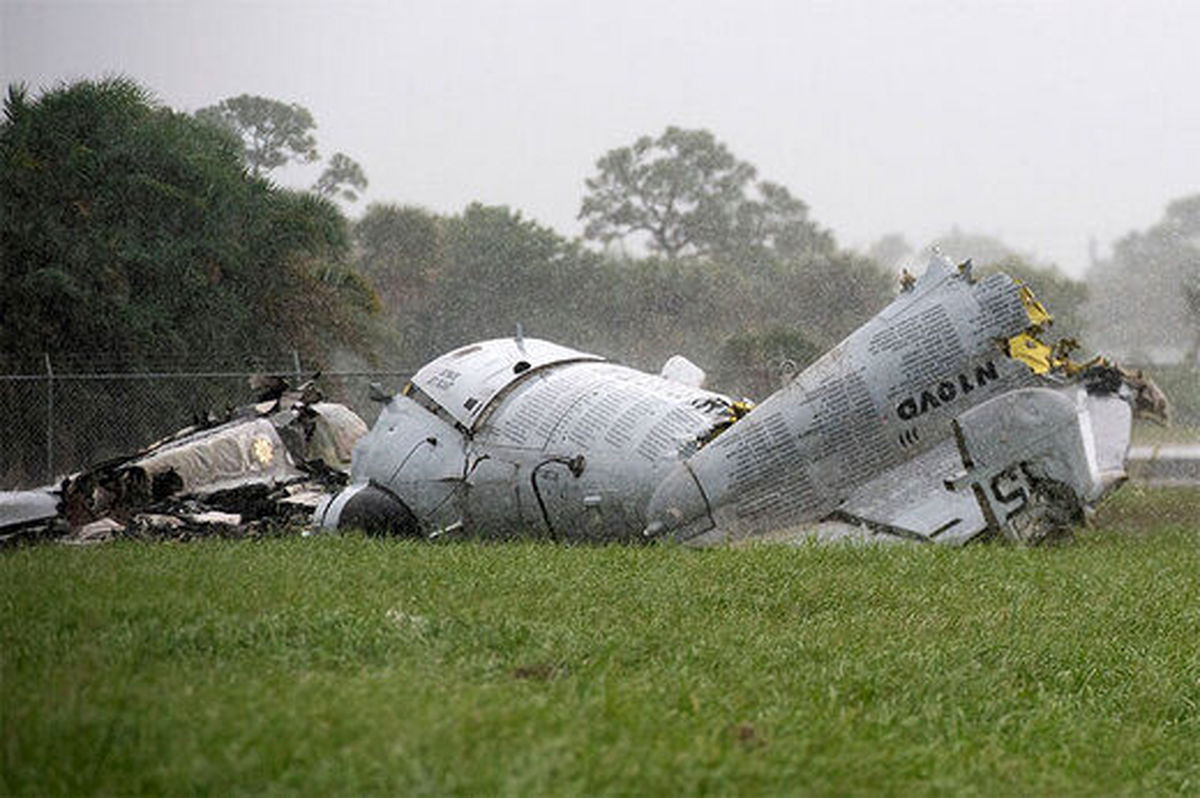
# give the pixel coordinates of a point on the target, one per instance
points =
(62, 413)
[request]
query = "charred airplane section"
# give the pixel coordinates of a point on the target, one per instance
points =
(944, 418)
(262, 469)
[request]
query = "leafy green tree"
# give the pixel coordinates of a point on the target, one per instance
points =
(1182, 225)
(689, 195)
(134, 228)
(890, 251)
(643, 311)
(776, 223)
(342, 177)
(756, 362)
(402, 249)
(824, 297)
(502, 270)
(272, 132)
(134, 232)
(1145, 299)
(1191, 296)
(480, 273)
(1182, 218)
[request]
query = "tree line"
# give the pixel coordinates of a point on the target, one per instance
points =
(130, 228)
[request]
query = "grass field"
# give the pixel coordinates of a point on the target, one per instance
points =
(347, 665)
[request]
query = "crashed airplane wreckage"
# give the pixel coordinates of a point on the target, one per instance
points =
(262, 468)
(944, 418)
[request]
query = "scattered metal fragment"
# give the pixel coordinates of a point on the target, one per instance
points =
(100, 531)
(21, 508)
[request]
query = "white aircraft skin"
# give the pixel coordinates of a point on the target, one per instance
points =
(521, 436)
(926, 424)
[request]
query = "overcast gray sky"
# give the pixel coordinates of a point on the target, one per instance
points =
(1043, 123)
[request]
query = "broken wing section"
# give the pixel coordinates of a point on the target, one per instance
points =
(1024, 465)
(912, 501)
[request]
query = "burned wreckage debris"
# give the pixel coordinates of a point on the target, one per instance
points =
(262, 469)
(945, 418)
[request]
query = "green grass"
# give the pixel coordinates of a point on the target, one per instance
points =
(346, 665)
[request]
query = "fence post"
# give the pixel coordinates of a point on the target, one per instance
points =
(49, 418)
(296, 361)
